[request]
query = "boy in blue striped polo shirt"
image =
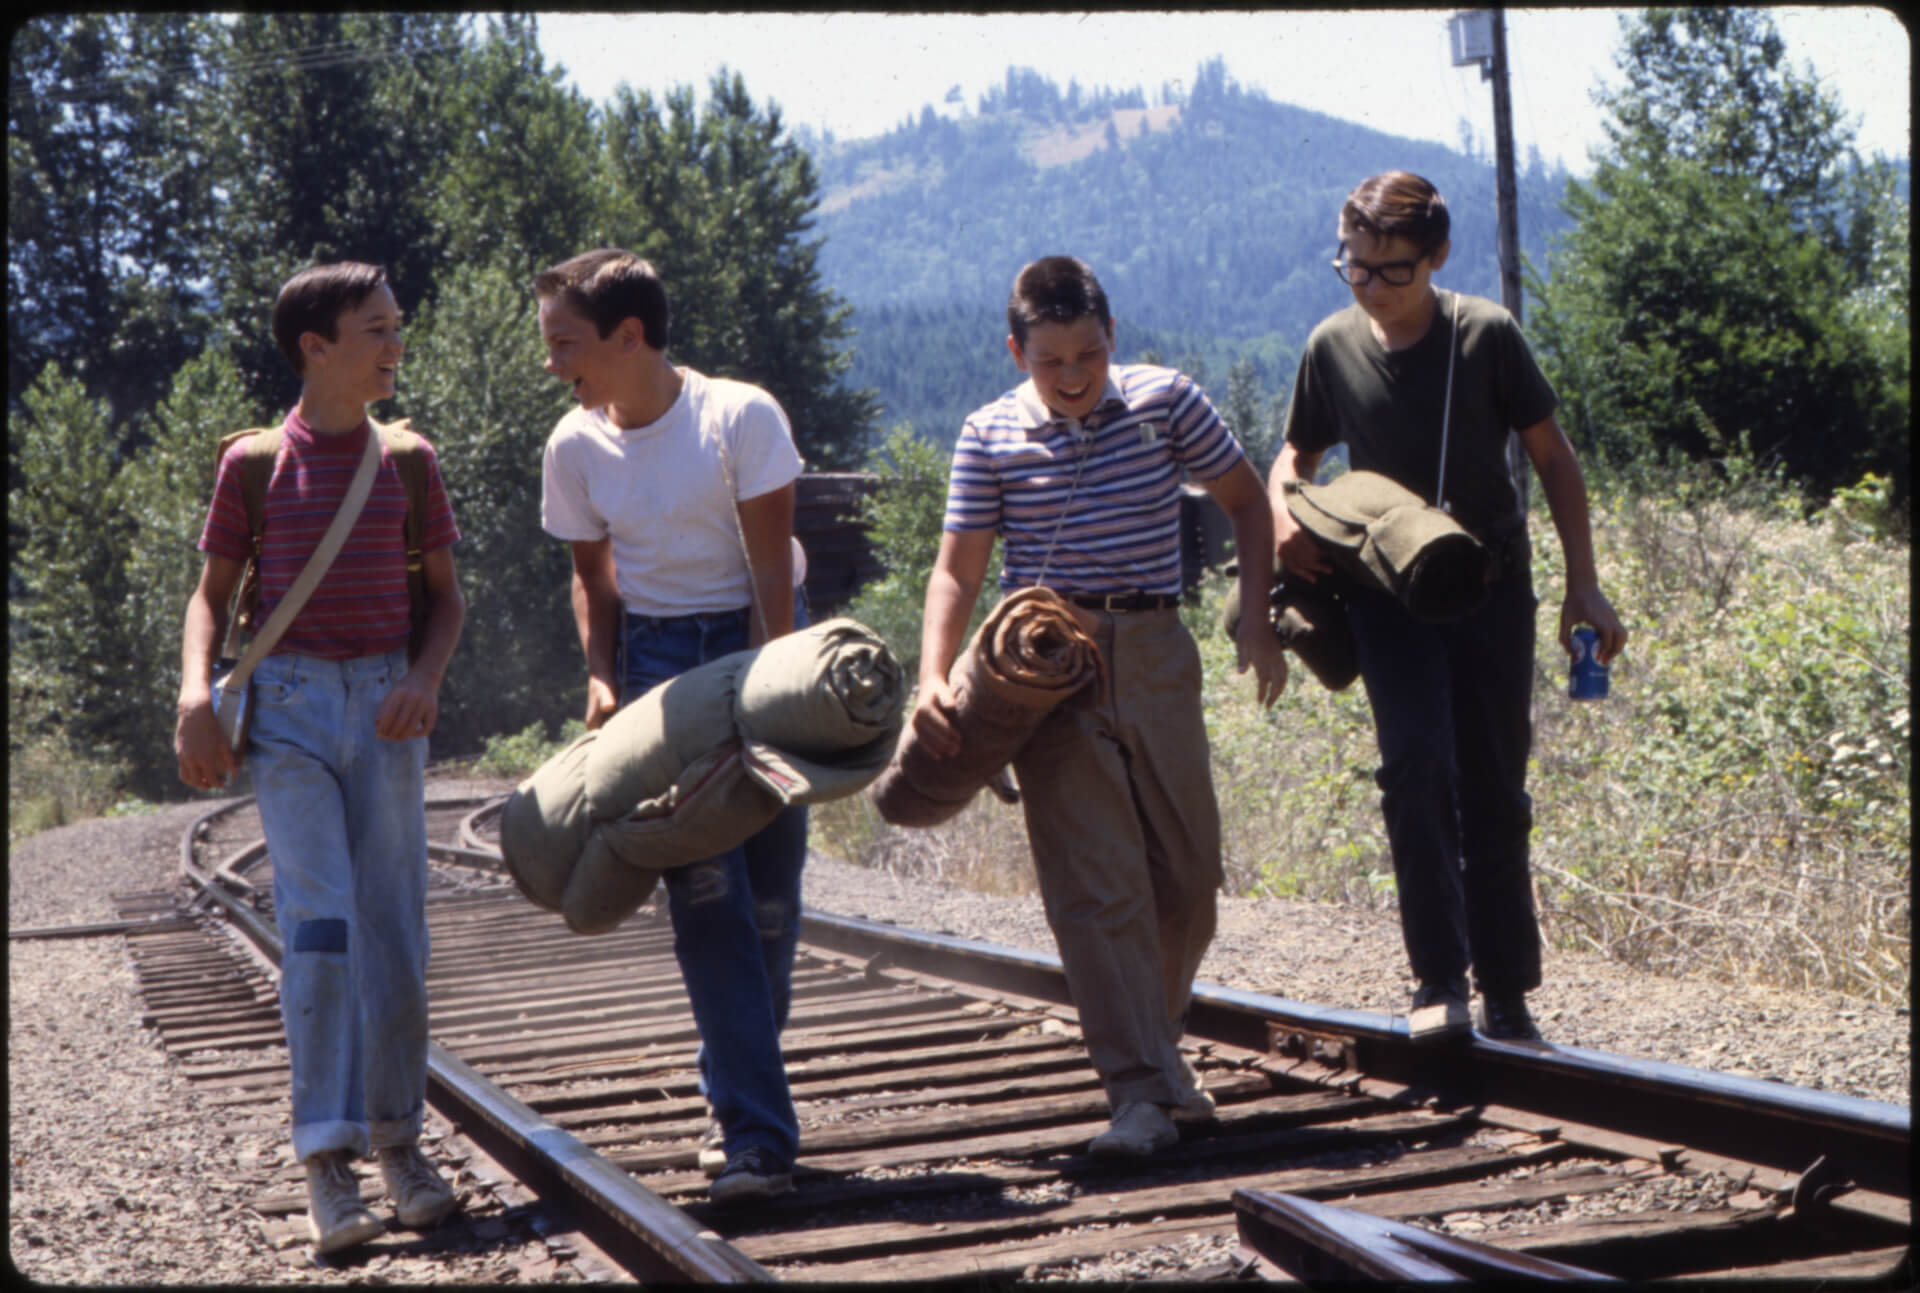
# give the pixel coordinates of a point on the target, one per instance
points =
(1078, 470)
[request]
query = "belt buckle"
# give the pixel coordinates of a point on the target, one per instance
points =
(1115, 602)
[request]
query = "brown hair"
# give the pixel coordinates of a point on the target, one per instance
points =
(313, 301)
(609, 285)
(1055, 289)
(1397, 204)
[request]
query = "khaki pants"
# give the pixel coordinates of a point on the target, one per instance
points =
(1125, 833)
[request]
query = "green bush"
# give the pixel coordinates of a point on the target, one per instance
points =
(51, 783)
(1739, 807)
(902, 518)
(518, 754)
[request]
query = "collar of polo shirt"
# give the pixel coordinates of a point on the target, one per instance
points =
(1039, 415)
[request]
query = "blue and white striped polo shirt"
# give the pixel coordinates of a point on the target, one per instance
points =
(1015, 464)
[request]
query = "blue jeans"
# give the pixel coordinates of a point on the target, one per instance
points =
(736, 917)
(345, 819)
(1452, 706)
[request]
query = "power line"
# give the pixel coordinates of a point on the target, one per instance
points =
(309, 58)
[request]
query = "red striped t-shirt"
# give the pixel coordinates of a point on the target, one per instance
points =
(360, 607)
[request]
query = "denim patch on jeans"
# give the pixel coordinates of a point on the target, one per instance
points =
(736, 917)
(344, 813)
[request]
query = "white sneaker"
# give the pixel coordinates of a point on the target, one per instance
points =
(1439, 1011)
(1195, 1104)
(713, 1149)
(334, 1211)
(1138, 1130)
(421, 1198)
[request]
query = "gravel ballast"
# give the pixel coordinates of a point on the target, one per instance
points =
(121, 1174)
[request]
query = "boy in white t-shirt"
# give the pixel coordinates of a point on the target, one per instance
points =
(676, 492)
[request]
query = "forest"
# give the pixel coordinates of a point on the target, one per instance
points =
(1212, 230)
(1729, 285)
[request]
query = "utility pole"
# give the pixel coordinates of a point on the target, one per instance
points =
(1480, 36)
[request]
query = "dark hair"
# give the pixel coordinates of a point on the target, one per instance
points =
(609, 285)
(1055, 289)
(313, 301)
(1397, 204)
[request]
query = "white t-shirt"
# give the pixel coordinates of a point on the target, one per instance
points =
(659, 492)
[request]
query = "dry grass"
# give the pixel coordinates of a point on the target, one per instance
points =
(1739, 808)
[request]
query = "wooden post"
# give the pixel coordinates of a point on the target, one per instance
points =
(1507, 204)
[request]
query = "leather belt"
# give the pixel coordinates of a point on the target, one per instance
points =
(1124, 601)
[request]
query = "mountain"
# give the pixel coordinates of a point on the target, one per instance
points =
(1209, 218)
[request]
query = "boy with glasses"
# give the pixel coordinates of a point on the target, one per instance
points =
(1405, 376)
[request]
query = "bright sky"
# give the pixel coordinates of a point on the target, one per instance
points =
(860, 74)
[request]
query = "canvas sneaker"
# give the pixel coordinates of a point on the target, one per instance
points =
(713, 1149)
(1439, 1011)
(1138, 1129)
(1506, 1019)
(421, 1198)
(751, 1174)
(334, 1211)
(1195, 1104)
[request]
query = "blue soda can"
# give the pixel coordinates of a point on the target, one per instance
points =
(1586, 677)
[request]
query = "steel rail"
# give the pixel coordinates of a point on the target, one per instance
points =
(1819, 1145)
(654, 1239)
(1786, 1127)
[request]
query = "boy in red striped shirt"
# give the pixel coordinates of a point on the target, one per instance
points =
(338, 749)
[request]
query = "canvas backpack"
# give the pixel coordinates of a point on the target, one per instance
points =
(403, 447)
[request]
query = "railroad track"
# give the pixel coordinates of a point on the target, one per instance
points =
(946, 1103)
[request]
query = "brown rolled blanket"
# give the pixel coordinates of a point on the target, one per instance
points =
(1030, 655)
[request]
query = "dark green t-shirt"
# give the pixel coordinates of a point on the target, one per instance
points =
(1386, 405)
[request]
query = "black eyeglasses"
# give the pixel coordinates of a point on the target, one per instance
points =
(1395, 273)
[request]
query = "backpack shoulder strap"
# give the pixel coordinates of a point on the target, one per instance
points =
(408, 452)
(256, 471)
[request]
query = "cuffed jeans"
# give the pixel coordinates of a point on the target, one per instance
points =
(736, 917)
(1452, 708)
(1118, 795)
(344, 813)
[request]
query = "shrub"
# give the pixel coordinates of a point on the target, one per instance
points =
(51, 783)
(902, 518)
(1739, 807)
(518, 754)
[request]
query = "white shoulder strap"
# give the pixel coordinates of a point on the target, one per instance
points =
(1446, 408)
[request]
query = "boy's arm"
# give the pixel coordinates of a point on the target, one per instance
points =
(198, 742)
(766, 528)
(412, 708)
(1566, 490)
(952, 588)
(1240, 496)
(1298, 553)
(596, 614)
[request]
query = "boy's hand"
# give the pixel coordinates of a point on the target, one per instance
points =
(200, 745)
(933, 715)
(602, 701)
(1258, 645)
(410, 709)
(1294, 546)
(1588, 605)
